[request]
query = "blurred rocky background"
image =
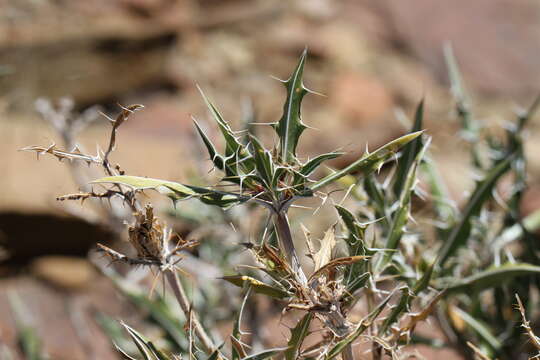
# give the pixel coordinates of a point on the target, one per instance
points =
(370, 59)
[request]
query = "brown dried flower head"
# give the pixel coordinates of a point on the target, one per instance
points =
(148, 235)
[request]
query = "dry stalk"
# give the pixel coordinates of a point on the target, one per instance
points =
(535, 340)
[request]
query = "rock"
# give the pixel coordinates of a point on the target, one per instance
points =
(90, 53)
(359, 97)
(495, 41)
(64, 271)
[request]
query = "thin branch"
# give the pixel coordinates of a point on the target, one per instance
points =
(178, 289)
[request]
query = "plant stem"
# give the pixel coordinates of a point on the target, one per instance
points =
(179, 293)
(347, 353)
(286, 242)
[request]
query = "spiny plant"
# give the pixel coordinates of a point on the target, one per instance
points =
(273, 178)
(375, 262)
(466, 253)
(276, 178)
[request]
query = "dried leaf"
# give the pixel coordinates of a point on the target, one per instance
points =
(324, 255)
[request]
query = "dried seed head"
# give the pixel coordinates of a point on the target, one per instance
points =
(147, 235)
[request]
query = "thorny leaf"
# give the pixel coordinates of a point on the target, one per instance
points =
(402, 214)
(216, 158)
(290, 126)
(460, 234)
(309, 167)
(469, 128)
(415, 318)
(355, 240)
(442, 202)
(481, 329)
(489, 278)
(357, 282)
(233, 145)
(298, 334)
(409, 152)
(257, 286)
(176, 191)
(424, 281)
(146, 348)
(355, 275)
(401, 307)
(263, 162)
(265, 354)
(369, 162)
(377, 198)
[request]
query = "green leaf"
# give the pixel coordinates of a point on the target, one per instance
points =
(29, 341)
(237, 162)
(442, 202)
(257, 286)
(124, 354)
(312, 165)
(265, 354)
(479, 328)
(531, 223)
(456, 82)
(377, 199)
(263, 162)
(469, 127)
(409, 152)
(355, 240)
(216, 158)
(232, 144)
(160, 313)
(525, 116)
(369, 162)
(355, 243)
(360, 328)
(356, 282)
(401, 216)
(176, 191)
(298, 334)
(490, 278)
(146, 348)
(290, 126)
(423, 282)
(398, 309)
(460, 234)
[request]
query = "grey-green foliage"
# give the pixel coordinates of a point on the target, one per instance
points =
(271, 177)
(468, 252)
(275, 178)
(399, 253)
(29, 341)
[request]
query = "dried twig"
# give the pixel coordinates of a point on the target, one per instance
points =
(535, 340)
